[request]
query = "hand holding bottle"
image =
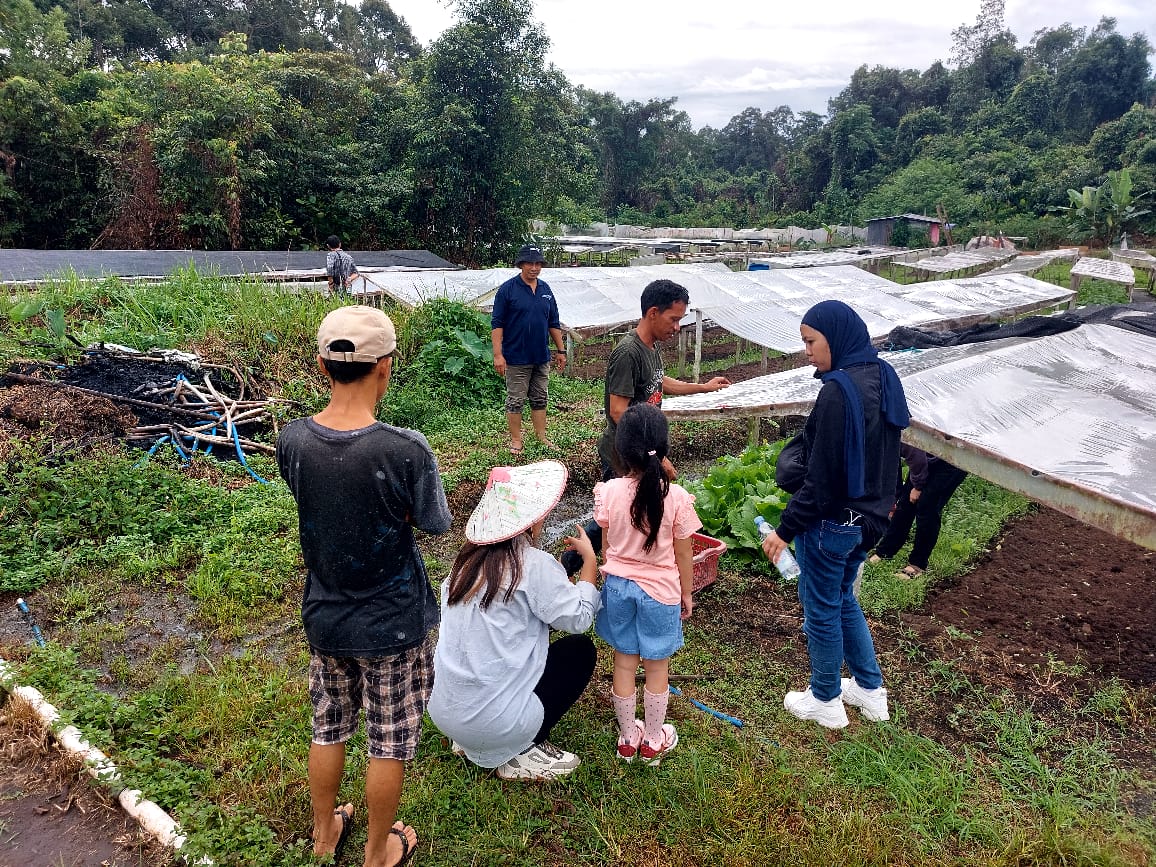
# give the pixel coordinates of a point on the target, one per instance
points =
(777, 550)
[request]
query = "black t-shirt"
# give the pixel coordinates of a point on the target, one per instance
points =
(633, 370)
(359, 495)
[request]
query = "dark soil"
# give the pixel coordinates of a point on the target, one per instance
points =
(1053, 589)
(1055, 613)
(51, 813)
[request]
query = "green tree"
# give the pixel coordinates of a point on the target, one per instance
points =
(46, 176)
(1122, 209)
(918, 188)
(474, 128)
(377, 38)
(855, 146)
(914, 129)
(1102, 79)
(889, 93)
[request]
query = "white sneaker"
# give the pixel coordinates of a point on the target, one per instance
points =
(542, 761)
(457, 749)
(872, 703)
(830, 714)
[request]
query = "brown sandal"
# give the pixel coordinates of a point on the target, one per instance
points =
(909, 571)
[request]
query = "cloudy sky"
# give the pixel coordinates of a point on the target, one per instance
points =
(721, 56)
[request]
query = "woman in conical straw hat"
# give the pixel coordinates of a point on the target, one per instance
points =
(500, 685)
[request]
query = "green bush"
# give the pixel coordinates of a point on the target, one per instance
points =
(446, 357)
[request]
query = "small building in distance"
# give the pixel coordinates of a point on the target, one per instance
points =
(879, 229)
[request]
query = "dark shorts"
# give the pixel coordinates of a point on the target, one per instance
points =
(392, 690)
(527, 380)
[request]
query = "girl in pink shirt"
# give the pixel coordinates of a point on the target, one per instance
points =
(647, 526)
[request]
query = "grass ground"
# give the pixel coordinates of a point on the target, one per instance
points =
(171, 601)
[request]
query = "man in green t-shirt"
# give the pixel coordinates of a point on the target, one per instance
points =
(634, 371)
(634, 374)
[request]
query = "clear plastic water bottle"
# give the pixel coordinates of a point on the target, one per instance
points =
(786, 564)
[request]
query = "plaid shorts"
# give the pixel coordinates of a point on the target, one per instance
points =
(393, 690)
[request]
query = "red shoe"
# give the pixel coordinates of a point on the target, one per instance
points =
(653, 755)
(627, 749)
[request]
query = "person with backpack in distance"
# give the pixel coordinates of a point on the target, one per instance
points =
(647, 522)
(362, 487)
(339, 268)
(838, 509)
(500, 684)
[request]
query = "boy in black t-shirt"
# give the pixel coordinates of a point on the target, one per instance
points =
(361, 487)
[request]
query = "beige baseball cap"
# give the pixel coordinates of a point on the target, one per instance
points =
(369, 330)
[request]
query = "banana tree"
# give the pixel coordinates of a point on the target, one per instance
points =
(1120, 209)
(1086, 211)
(1103, 213)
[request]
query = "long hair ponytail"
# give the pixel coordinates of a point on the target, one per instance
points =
(642, 439)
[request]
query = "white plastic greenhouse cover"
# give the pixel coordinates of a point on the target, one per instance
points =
(769, 312)
(762, 306)
(607, 297)
(960, 260)
(1079, 406)
(1104, 269)
(413, 287)
(970, 300)
(817, 260)
(792, 392)
(1069, 420)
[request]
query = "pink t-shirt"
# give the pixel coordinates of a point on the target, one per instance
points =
(655, 571)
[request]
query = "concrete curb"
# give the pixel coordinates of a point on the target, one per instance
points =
(155, 821)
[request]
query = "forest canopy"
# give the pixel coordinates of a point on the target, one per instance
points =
(269, 124)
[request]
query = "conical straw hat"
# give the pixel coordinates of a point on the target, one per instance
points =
(516, 498)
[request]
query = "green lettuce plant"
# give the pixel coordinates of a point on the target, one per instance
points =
(735, 492)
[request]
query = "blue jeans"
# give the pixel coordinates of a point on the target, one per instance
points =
(829, 556)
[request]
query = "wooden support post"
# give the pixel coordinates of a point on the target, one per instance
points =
(697, 345)
(738, 350)
(569, 350)
(753, 431)
(682, 337)
(766, 358)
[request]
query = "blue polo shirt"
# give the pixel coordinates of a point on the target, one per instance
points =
(525, 318)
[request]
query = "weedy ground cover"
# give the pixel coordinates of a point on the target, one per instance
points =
(170, 594)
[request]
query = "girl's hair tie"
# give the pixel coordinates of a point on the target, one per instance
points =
(652, 452)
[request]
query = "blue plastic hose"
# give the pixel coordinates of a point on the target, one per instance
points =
(241, 457)
(735, 721)
(36, 634)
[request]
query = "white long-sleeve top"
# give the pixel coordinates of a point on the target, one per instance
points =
(487, 662)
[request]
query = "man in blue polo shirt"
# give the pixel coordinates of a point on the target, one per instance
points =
(524, 321)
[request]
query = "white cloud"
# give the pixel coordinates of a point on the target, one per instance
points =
(726, 55)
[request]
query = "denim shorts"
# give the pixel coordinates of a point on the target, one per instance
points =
(632, 622)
